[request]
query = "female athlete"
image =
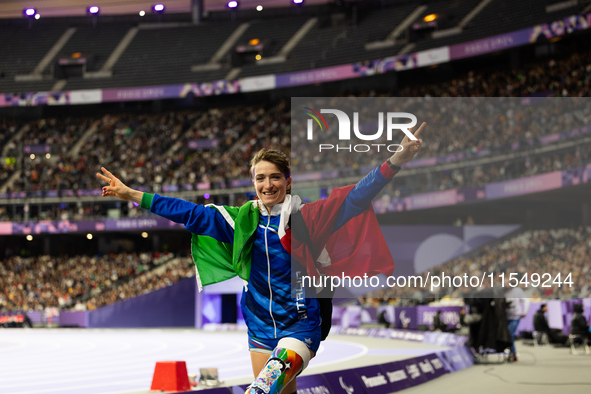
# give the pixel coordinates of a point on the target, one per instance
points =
(283, 333)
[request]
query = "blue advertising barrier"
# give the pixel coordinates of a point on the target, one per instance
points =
(172, 306)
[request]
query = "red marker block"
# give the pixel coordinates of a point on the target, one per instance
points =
(170, 376)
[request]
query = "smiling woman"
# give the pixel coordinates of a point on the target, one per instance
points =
(254, 242)
(271, 177)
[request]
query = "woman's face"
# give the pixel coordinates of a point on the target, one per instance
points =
(270, 184)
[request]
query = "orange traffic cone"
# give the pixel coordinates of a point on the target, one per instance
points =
(170, 376)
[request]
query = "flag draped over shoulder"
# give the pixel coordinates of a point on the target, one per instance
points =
(217, 261)
(357, 248)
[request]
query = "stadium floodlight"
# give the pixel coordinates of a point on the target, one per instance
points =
(30, 12)
(430, 17)
(158, 8)
(232, 4)
(298, 2)
(93, 10)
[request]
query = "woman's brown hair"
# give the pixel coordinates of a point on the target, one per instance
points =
(272, 156)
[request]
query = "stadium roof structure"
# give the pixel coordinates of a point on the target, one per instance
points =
(170, 60)
(60, 8)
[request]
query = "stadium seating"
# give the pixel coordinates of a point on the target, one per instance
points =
(35, 283)
(502, 17)
(164, 53)
(22, 49)
(163, 139)
(564, 250)
(98, 42)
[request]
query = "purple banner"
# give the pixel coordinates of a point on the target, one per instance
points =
(74, 319)
(39, 148)
(34, 98)
(450, 315)
(349, 316)
(517, 187)
(529, 35)
(210, 88)
(489, 44)
(170, 188)
(172, 306)
(203, 143)
(66, 226)
(430, 200)
(374, 379)
(430, 337)
(145, 93)
(312, 384)
(405, 317)
(211, 308)
(216, 390)
(399, 375)
(315, 76)
(344, 382)
(171, 91)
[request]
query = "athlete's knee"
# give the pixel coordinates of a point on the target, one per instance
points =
(298, 347)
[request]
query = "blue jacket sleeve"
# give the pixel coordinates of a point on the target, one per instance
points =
(198, 219)
(360, 196)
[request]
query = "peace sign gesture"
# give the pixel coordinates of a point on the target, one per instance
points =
(117, 188)
(409, 147)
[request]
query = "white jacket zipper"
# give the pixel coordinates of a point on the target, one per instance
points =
(269, 277)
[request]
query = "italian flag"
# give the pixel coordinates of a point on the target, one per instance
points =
(357, 248)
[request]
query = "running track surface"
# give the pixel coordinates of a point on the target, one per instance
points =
(69, 361)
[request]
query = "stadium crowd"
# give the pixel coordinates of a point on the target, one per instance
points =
(35, 283)
(8, 129)
(174, 271)
(565, 251)
(89, 282)
(152, 149)
(467, 177)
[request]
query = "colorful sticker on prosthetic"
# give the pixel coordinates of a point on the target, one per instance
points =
(283, 366)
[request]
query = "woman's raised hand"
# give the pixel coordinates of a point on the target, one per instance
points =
(409, 147)
(117, 188)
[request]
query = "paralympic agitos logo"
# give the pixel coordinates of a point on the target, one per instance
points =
(345, 129)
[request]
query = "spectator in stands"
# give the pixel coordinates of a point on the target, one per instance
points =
(541, 325)
(578, 324)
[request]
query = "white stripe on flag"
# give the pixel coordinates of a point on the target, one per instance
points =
(224, 213)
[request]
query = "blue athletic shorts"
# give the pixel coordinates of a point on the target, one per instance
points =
(300, 331)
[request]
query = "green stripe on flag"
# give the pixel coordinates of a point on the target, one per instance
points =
(218, 261)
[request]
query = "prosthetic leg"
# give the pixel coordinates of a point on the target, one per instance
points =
(288, 360)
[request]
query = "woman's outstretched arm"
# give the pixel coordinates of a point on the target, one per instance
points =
(198, 219)
(360, 197)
